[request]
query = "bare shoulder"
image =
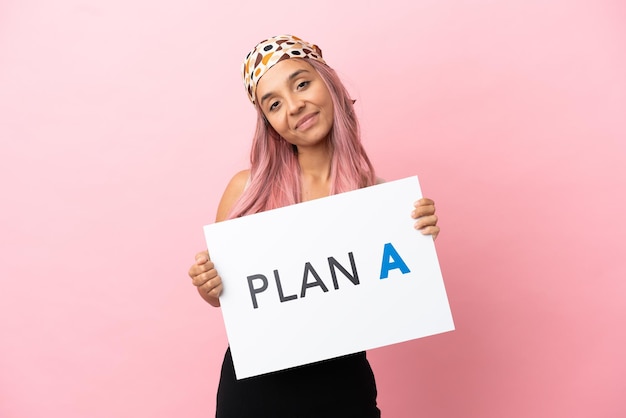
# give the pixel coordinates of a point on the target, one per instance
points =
(233, 191)
(239, 180)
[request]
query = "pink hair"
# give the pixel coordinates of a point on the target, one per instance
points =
(275, 172)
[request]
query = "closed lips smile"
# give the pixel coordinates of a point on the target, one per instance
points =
(306, 121)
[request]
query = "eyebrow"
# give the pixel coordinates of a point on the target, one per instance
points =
(293, 75)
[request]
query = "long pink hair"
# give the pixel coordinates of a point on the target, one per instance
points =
(274, 168)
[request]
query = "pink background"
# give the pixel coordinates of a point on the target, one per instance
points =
(121, 122)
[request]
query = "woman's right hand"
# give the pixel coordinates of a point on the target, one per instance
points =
(202, 272)
(205, 278)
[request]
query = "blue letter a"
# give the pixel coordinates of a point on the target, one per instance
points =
(392, 260)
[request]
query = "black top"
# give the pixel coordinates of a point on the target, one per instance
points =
(342, 387)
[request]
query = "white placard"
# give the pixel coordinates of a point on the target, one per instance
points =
(307, 282)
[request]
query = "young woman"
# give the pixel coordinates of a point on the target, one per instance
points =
(306, 146)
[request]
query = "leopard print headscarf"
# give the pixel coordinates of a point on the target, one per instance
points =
(271, 51)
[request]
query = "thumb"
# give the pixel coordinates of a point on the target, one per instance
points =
(202, 257)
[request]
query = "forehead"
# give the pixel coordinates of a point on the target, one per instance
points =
(279, 74)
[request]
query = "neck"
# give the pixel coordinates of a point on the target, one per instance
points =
(315, 162)
(315, 172)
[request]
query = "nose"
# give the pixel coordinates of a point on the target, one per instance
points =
(295, 104)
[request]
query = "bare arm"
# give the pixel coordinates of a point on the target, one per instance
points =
(203, 273)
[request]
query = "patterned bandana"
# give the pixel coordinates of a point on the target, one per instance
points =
(271, 51)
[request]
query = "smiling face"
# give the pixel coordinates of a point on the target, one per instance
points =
(296, 102)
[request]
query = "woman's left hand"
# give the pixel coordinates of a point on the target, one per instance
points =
(424, 212)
